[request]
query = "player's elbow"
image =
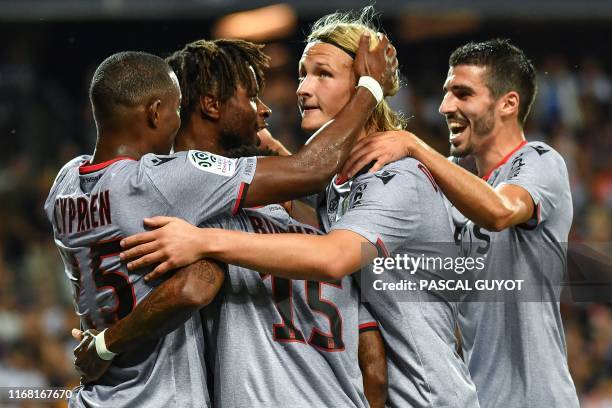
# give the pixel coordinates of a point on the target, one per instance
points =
(195, 297)
(200, 284)
(333, 267)
(498, 219)
(496, 226)
(332, 273)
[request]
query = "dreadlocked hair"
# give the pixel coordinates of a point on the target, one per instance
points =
(217, 68)
(345, 30)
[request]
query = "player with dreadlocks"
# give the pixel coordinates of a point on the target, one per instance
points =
(220, 81)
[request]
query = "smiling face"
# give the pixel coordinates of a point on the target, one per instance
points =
(327, 83)
(469, 108)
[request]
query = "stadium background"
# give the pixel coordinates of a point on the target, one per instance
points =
(49, 49)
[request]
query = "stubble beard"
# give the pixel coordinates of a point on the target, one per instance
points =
(482, 126)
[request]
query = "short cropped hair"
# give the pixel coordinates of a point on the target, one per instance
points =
(507, 69)
(216, 68)
(128, 79)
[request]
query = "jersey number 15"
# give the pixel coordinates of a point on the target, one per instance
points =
(282, 292)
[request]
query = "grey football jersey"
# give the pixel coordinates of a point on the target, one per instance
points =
(91, 207)
(400, 209)
(280, 342)
(515, 347)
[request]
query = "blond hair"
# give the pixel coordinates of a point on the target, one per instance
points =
(344, 30)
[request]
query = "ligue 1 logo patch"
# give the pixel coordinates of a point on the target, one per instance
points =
(212, 163)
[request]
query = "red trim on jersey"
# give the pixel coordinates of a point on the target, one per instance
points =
(368, 325)
(90, 168)
(427, 173)
(339, 180)
(240, 198)
(504, 160)
(380, 246)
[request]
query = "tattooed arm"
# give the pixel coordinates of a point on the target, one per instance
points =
(162, 311)
(168, 306)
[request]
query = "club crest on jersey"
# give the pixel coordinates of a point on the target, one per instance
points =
(212, 163)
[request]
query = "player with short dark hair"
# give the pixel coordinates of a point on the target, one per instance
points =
(509, 69)
(517, 211)
(96, 200)
(125, 80)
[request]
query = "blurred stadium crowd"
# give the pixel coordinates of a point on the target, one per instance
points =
(43, 124)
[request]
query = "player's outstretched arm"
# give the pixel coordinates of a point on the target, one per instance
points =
(167, 307)
(291, 256)
(494, 209)
(373, 365)
(279, 179)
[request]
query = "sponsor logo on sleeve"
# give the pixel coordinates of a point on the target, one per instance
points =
(212, 163)
(249, 168)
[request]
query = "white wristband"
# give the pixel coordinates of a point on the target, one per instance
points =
(103, 352)
(373, 86)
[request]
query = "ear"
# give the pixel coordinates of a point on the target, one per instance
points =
(153, 113)
(510, 103)
(210, 107)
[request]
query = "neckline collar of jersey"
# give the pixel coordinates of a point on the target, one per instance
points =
(504, 160)
(86, 168)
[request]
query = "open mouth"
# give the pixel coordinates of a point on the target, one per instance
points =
(456, 128)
